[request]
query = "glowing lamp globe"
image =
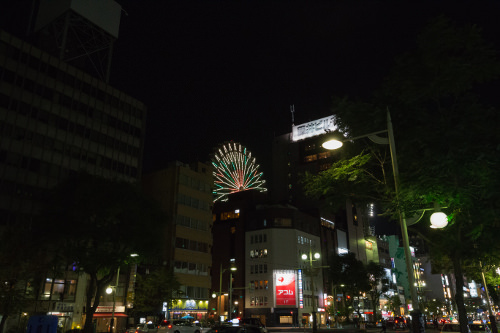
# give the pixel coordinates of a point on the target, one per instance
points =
(109, 290)
(439, 220)
(304, 256)
(332, 144)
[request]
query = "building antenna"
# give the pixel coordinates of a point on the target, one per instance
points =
(292, 110)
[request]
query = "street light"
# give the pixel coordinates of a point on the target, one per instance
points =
(310, 259)
(112, 289)
(109, 290)
(438, 223)
(231, 268)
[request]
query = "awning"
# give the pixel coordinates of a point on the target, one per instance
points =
(108, 314)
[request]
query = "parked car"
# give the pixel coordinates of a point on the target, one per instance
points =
(399, 323)
(253, 322)
(143, 328)
(479, 328)
(454, 328)
(236, 329)
(180, 326)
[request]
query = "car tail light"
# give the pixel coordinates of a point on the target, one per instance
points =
(169, 326)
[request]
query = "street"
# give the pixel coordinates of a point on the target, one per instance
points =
(342, 330)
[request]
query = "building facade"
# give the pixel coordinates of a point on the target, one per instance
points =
(266, 243)
(57, 119)
(301, 151)
(185, 194)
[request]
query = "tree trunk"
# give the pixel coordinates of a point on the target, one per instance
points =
(94, 292)
(459, 294)
(375, 304)
(89, 311)
(3, 321)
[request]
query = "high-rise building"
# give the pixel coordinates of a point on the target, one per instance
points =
(265, 243)
(301, 151)
(185, 194)
(58, 118)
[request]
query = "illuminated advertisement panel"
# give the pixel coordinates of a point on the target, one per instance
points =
(313, 128)
(301, 294)
(284, 282)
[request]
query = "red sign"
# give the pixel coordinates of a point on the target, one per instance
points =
(285, 287)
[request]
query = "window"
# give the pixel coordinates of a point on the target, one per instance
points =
(310, 147)
(324, 155)
(310, 158)
(282, 222)
(229, 215)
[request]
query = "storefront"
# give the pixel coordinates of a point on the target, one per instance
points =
(189, 309)
(103, 316)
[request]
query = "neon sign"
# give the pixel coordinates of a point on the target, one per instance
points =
(285, 287)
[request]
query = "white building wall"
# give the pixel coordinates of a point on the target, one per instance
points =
(284, 249)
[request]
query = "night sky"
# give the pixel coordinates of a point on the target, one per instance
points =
(215, 71)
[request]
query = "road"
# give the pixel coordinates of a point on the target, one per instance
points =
(341, 330)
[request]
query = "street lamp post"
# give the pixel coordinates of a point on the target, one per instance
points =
(230, 313)
(314, 308)
(109, 290)
(232, 268)
(491, 315)
(417, 323)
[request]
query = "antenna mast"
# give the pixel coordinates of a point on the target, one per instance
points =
(292, 110)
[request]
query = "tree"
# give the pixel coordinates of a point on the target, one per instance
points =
(446, 137)
(97, 224)
(154, 289)
(22, 264)
(394, 304)
(379, 285)
(349, 275)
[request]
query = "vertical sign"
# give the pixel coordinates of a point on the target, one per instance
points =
(301, 294)
(285, 287)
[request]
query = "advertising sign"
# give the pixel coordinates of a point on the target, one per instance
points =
(284, 281)
(313, 128)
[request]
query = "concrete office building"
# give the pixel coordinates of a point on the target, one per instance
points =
(185, 194)
(57, 119)
(300, 151)
(265, 242)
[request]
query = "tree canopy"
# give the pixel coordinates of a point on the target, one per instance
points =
(96, 224)
(439, 95)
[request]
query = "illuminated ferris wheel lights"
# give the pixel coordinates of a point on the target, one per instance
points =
(235, 171)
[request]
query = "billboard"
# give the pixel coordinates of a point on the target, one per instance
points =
(313, 128)
(285, 287)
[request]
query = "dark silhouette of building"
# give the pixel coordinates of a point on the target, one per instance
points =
(58, 118)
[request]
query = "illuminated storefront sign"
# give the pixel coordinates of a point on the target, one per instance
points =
(284, 281)
(301, 295)
(313, 128)
(190, 304)
(473, 289)
(109, 308)
(342, 250)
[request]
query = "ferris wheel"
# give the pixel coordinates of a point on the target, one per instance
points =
(235, 171)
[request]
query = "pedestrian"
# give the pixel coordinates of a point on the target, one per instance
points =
(384, 327)
(435, 322)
